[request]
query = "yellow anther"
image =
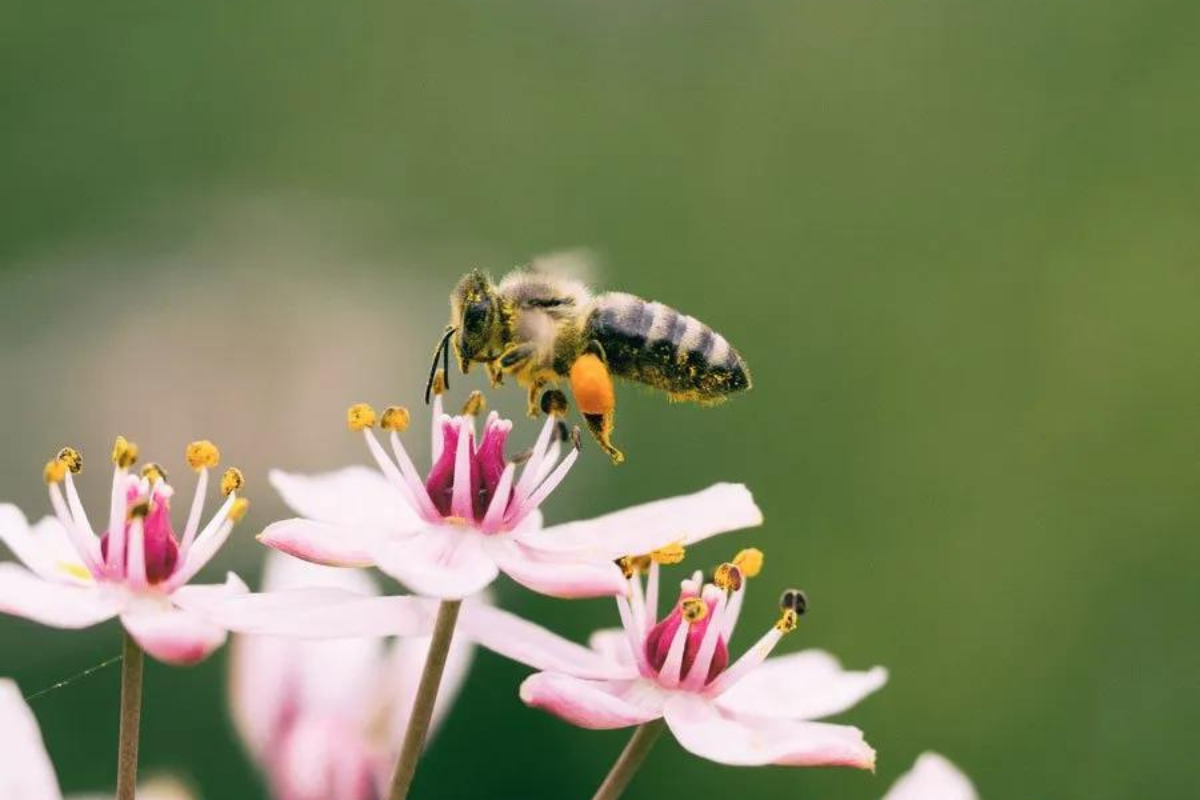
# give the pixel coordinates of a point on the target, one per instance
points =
(669, 554)
(231, 481)
(139, 510)
(693, 609)
(71, 458)
(154, 473)
(360, 416)
(476, 404)
(124, 453)
(238, 510)
(439, 382)
(633, 565)
(788, 620)
(749, 561)
(395, 418)
(203, 454)
(728, 577)
(54, 472)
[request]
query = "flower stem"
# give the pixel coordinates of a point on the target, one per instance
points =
(131, 718)
(630, 759)
(422, 710)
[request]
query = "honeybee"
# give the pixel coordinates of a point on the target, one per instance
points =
(541, 327)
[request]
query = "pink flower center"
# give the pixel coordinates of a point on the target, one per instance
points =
(162, 550)
(659, 639)
(487, 464)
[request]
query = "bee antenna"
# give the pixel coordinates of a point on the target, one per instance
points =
(442, 350)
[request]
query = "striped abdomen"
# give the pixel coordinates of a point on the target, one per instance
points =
(656, 345)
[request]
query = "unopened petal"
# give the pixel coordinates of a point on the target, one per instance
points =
(25, 769)
(598, 705)
(933, 777)
(806, 685)
(443, 562)
(321, 543)
(174, 635)
(59, 605)
(534, 646)
(352, 497)
(686, 519)
(704, 730)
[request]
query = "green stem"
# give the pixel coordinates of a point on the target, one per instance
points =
(132, 662)
(427, 690)
(630, 759)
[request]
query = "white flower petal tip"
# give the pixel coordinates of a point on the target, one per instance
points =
(810, 684)
(58, 605)
(933, 777)
(25, 769)
(597, 705)
(704, 730)
(174, 636)
(320, 542)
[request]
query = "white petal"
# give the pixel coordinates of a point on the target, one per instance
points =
(565, 576)
(205, 598)
(324, 613)
(597, 705)
(352, 497)
(58, 605)
(45, 547)
(25, 769)
(933, 777)
(686, 519)
(704, 731)
(446, 562)
(322, 543)
(612, 644)
(534, 646)
(173, 635)
(806, 685)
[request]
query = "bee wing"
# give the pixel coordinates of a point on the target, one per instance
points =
(578, 264)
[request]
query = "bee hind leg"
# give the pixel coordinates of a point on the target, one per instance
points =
(533, 406)
(592, 385)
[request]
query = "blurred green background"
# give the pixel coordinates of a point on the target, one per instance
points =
(957, 243)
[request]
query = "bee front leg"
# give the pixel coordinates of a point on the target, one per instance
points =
(495, 374)
(533, 405)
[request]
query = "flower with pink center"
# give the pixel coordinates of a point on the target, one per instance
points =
(25, 769)
(448, 534)
(753, 711)
(324, 720)
(933, 777)
(136, 569)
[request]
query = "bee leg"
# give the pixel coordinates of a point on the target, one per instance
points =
(534, 405)
(592, 385)
(516, 357)
(495, 374)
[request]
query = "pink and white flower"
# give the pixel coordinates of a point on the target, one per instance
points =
(449, 534)
(933, 777)
(137, 569)
(754, 711)
(324, 720)
(25, 769)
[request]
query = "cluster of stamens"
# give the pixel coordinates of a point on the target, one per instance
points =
(688, 648)
(139, 546)
(471, 482)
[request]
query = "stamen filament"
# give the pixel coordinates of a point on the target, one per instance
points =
(636, 638)
(637, 603)
(529, 474)
(460, 498)
(116, 522)
(698, 673)
(669, 674)
(88, 551)
(549, 485)
(732, 611)
(206, 544)
(494, 518)
(77, 510)
(749, 661)
(135, 564)
(197, 509)
(652, 596)
(412, 480)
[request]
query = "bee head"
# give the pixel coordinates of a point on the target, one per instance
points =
(476, 314)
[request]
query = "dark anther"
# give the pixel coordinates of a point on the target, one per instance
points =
(795, 600)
